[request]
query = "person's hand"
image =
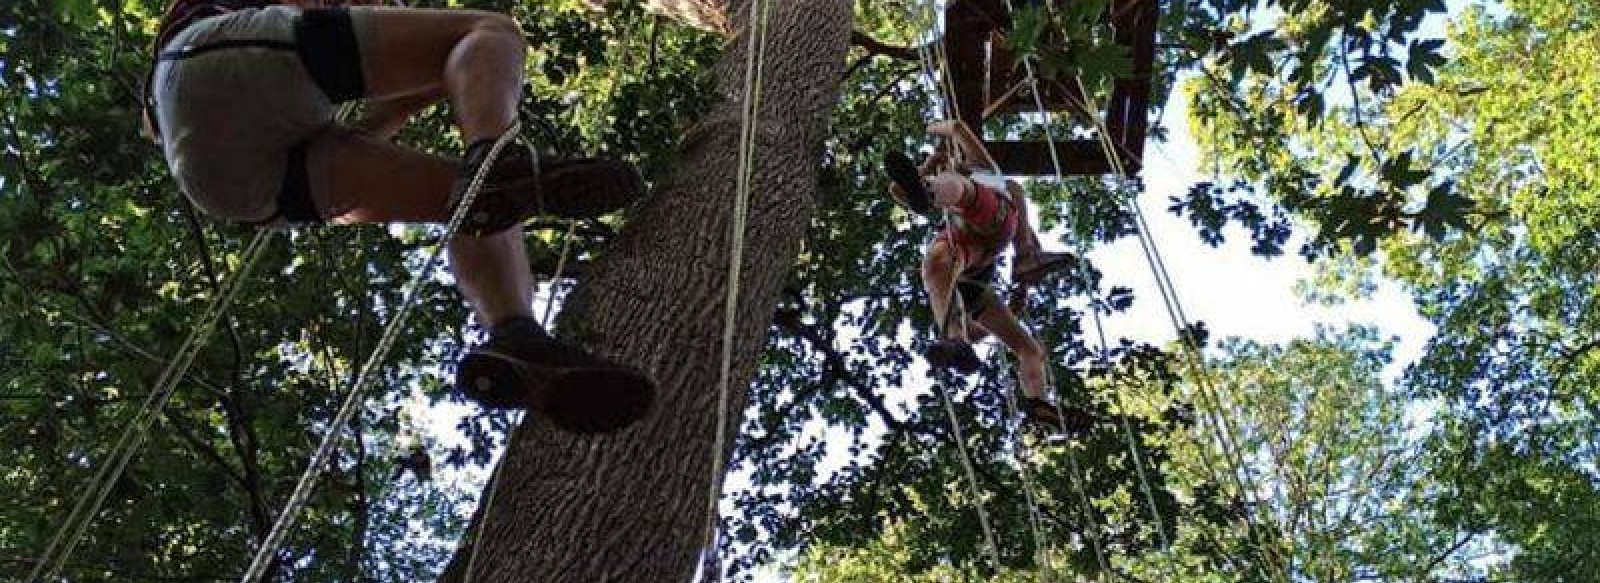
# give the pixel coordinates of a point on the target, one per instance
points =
(935, 161)
(946, 128)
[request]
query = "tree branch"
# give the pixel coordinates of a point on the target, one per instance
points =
(877, 48)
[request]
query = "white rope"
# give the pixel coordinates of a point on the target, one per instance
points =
(955, 307)
(1174, 308)
(755, 64)
(134, 434)
(976, 490)
(302, 492)
(1103, 344)
(1029, 487)
(561, 267)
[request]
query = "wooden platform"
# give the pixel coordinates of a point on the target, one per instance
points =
(986, 78)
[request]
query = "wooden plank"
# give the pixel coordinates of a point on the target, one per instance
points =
(981, 70)
(1078, 158)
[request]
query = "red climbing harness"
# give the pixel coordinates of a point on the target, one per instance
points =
(983, 227)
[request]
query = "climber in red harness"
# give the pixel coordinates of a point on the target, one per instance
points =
(242, 97)
(987, 213)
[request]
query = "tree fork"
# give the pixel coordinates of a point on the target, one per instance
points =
(630, 507)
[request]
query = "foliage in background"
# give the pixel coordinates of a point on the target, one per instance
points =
(1510, 124)
(1471, 181)
(1326, 437)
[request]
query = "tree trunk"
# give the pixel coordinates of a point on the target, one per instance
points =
(707, 15)
(631, 507)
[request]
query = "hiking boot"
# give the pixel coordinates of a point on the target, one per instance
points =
(522, 184)
(953, 354)
(1034, 267)
(1068, 419)
(904, 174)
(523, 367)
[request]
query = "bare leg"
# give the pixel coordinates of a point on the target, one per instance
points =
(1025, 239)
(476, 58)
(380, 182)
(1032, 263)
(940, 266)
(493, 274)
(1030, 356)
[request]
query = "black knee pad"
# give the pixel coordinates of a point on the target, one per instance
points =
(326, 42)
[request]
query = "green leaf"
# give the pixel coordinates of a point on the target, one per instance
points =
(1027, 30)
(1444, 209)
(1424, 58)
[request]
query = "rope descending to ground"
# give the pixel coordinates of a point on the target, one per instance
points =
(269, 548)
(755, 65)
(66, 540)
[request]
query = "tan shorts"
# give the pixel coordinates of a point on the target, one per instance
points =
(239, 97)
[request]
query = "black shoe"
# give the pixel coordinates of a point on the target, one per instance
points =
(1069, 420)
(523, 367)
(954, 354)
(522, 184)
(903, 172)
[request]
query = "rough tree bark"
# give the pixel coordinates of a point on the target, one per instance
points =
(631, 507)
(707, 15)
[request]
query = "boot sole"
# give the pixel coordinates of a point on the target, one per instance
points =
(951, 357)
(598, 400)
(494, 383)
(903, 171)
(584, 400)
(1037, 273)
(590, 188)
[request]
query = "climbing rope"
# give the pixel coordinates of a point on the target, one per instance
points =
(755, 65)
(561, 267)
(923, 15)
(971, 471)
(1102, 344)
(134, 434)
(1196, 362)
(302, 492)
(1019, 453)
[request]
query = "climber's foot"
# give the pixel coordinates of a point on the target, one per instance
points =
(953, 354)
(523, 367)
(904, 174)
(521, 184)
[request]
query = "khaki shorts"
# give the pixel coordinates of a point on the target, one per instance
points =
(239, 97)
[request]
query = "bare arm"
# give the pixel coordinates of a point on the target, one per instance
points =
(967, 143)
(932, 164)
